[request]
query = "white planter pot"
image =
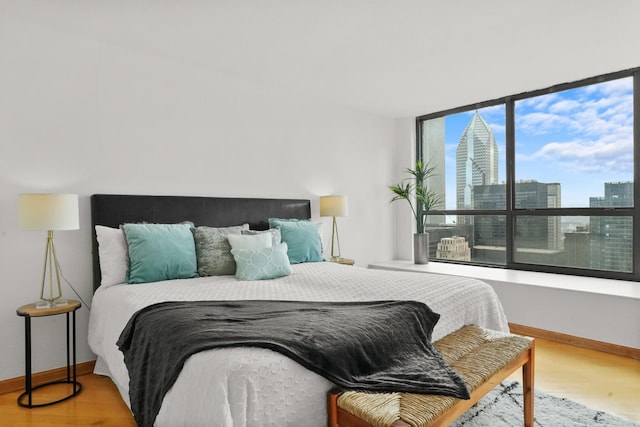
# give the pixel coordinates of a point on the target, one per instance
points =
(421, 248)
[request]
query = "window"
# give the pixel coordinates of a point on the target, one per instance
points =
(539, 181)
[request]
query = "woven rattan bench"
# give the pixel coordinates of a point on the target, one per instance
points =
(483, 358)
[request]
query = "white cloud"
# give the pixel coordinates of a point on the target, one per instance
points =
(538, 102)
(609, 153)
(594, 113)
(498, 128)
(540, 123)
(611, 87)
(564, 106)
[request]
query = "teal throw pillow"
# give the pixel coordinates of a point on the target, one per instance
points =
(160, 252)
(261, 264)
(302, 238)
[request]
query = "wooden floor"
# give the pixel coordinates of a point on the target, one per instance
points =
(599, 380)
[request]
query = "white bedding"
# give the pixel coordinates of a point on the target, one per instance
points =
(256, 387)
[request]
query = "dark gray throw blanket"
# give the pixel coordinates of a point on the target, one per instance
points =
(373, 346)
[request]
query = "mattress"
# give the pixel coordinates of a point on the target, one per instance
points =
(258, 387)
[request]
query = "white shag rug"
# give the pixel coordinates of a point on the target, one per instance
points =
(502, 407)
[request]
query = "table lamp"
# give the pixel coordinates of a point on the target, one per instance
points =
(49, 212)
(334, 206)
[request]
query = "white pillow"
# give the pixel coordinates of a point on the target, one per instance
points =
(276, 237)
(248, 241)
(113, 254)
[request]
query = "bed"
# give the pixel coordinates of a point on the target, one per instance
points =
(250, 386)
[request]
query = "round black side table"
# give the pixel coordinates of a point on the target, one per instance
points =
(29, 311)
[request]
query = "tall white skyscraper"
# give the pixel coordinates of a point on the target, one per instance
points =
(476, 160)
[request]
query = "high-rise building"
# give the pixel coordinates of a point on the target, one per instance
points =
(577, 248)
(476, 161)
(538, 232)
(433, 148)
(611, 236)
(532, 232)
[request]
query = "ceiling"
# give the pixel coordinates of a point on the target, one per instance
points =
(395, 58)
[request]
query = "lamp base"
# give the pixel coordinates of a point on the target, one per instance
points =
(51, 304)
(343, 261)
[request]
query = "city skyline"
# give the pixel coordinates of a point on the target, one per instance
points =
(580, 138)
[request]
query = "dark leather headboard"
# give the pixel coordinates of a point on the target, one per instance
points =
(112, 210)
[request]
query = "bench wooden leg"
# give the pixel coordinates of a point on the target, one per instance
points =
(527, 387)
(332, 409)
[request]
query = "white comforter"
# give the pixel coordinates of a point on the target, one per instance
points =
(256, 387)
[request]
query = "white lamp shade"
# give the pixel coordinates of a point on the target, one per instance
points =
(334, 206)
(48, 211)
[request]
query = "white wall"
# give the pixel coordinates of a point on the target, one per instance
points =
(612, 319)
(81, 116)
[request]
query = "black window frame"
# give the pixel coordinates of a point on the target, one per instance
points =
(511, 212)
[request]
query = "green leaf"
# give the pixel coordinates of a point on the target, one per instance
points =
(416, 189)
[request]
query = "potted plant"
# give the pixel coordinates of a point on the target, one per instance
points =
(415, 191)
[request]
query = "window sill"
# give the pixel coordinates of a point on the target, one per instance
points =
(619, 288)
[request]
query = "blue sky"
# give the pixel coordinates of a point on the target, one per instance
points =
(580, 138)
